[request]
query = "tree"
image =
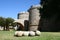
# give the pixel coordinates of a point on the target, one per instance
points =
(2, 22)
(9, 22)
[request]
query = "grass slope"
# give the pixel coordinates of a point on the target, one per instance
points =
(9, 35)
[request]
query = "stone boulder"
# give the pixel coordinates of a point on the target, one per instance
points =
(26, 33)
(37, 33)
(31, 33)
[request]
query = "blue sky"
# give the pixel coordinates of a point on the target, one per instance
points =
(10, 8)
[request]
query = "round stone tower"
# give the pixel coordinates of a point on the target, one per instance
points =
(34, 17)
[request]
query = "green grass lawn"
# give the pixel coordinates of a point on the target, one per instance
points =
(9, 35)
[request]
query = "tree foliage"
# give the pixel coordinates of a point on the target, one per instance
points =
(2, 21)
(6, 22)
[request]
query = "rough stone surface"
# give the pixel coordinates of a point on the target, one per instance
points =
(37, 33)
(20, 33)
(26, 33)
(33, 28)
(16, 33)
(31, 33)
(34, 18)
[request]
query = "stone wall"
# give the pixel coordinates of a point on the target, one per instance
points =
(23, 15)
(23, 18)
(50, 14)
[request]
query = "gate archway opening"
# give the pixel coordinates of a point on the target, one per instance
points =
(19, 26)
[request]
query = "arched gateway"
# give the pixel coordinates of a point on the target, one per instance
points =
(22, 21)
(20, 24)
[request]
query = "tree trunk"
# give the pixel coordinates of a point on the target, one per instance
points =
(4, 28)
(7, 28)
